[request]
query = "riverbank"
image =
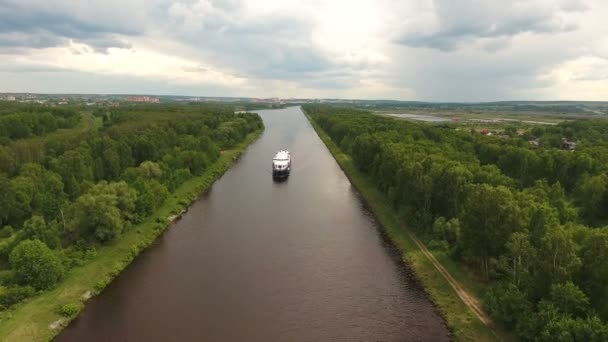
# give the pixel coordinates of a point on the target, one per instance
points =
(40, 319)
(464, 320)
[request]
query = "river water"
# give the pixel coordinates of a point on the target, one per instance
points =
(260, 260)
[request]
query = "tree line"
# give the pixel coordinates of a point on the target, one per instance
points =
(77, 190)
(18, 121)
(530, 221)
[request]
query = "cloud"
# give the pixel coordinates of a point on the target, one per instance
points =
(21, 39)
(452, 24)
(30, 68)
(440, 50)
(42, 24)
(259, 43)
(585, 68)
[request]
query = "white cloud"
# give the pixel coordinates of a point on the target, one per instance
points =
(143, 62)
(582, 78)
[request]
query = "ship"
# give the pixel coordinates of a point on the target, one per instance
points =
(281, 164)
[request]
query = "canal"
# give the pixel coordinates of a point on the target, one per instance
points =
(260, 260)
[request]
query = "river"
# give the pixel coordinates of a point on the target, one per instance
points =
(260, 260)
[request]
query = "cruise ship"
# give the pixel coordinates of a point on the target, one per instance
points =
(281, 164)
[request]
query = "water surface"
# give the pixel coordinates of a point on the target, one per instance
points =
(420, 117)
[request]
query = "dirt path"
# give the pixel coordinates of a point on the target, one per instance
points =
(468, 299)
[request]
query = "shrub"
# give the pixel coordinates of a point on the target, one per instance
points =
(90, 253)
(70, 309)
(101, 284)
(439, 245)
(6, 231)
(15, 294)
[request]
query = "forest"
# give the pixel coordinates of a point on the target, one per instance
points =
(528, 220)
(63, 195)
(19, 120)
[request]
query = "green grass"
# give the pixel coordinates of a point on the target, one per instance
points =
(464, 324)
(30, 320)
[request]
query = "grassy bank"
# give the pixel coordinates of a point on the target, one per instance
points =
(39, 318)
(464, 324)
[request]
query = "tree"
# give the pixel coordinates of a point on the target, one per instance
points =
(143, 150)
(558, 260)
(23, 189)
(519, 260)
(569, 299)
(592, 196)
(95, 217)
(74, 166)
(489, 218)
(7, 199)
(8, 163)
(47, 196)
(124, 196)
(507, 303)
(149, 170)
(593, 275)
(447, 230)
(450, 182)
(151, 195)
(511, 131)
(36, 229)
(35, 265)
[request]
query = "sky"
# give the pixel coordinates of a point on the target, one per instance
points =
(425, 50)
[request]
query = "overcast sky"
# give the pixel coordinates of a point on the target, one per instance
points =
(441, 50)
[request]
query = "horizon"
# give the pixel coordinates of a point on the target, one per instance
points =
(299, 98)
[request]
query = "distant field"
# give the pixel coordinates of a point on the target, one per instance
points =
(488, 117)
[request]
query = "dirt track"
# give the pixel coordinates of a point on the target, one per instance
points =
(467, 298)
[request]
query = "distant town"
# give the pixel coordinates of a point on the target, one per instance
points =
(95, 99)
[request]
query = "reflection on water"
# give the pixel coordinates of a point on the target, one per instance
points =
(280, 179)
(420, 117)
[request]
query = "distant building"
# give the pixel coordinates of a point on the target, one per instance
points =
(534, 143)
(10, 98)
(568, 144)
(145, 99)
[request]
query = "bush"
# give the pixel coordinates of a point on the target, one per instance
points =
(77, 256)
(101, 284)
(439, 245)
(70, 309)
(118, 267)
(135, 249)
(6, 231)
(90, 253)
(15, 294)
(7, 277)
